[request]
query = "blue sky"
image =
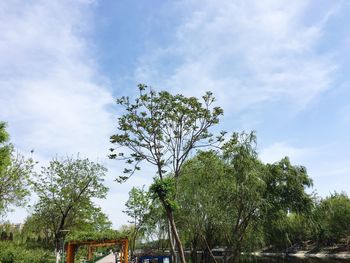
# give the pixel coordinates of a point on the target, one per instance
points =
(279, 68)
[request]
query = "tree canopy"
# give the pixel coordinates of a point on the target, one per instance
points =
(65, 190)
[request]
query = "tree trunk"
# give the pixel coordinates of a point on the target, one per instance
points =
(133, 241)
(208, 249)
(171, 242)
(176, 236)
(236, 252)
(170, 215)
(194, 251)
(57, 251)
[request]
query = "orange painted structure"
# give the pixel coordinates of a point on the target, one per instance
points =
(92, 244)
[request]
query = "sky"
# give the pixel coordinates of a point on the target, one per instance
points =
(279, 68)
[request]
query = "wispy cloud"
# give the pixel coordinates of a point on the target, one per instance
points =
(325, 164)
(51, 96)
(247, 52)
(250, 54)
(277, 151)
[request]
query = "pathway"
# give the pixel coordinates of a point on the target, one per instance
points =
(108, 259)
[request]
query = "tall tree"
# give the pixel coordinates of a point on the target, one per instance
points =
(243, 188)
(285, 193)
(163, 129)
(260, 193)
(65, 189)
(14, 173)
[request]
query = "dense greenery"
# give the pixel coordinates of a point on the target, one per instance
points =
(221, 195)
(222, 198)
(13, 253)
(229, 198)
(94, 235)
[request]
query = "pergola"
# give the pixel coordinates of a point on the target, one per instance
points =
(92, 244)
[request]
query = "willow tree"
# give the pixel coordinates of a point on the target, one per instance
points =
(162, 129)
(199, 195)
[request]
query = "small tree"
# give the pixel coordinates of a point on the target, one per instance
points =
(137, 208)
(65, 189)
(163, 129)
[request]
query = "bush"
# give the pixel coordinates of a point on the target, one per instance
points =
(7, 257)
(12, 253)
(333, 216)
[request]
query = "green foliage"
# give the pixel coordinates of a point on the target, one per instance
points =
(162, 129)
(232, 199)
(288, 182)
(94, 235)
(243, 188)
(14, 173)
(165, 190)
(155, 227)
(12, 253)
(95, 220)
(286, 203)
(138, 205)
(65, 189)
(137, 208)
(332, 216)
(287, 230)
(199, 198)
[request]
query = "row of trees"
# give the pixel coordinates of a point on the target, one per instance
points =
(241, 205)
(221, 196)
(226, 197)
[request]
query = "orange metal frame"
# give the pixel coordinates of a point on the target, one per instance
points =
(73, 245)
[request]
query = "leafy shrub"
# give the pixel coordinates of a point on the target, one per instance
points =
(333, 216)
(12, 253)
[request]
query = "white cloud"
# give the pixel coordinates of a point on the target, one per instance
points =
(50, 92)
(328, 172)
(246, 52)
(279, 150)
(51, 96)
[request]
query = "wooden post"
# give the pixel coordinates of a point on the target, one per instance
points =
(89, 257)
(126, 250)
(122, 254)
(70, 253)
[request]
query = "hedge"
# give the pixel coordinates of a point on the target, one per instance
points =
(12, 253)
